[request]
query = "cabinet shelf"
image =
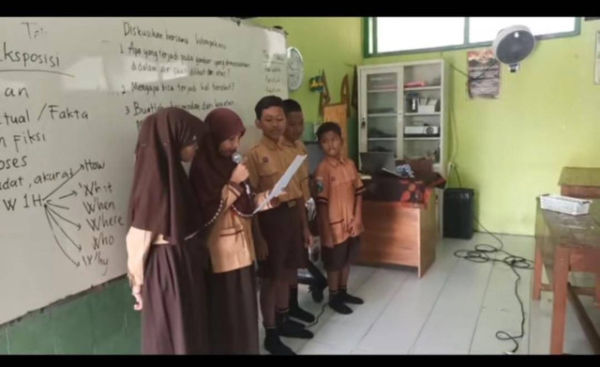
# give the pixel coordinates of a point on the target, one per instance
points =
(436, 87)
(387, 90)
(421, 114)
(421, 138)
(383, 114)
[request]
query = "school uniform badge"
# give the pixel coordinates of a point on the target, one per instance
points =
(320, 185)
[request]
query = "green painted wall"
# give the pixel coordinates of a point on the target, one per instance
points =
(332, 44)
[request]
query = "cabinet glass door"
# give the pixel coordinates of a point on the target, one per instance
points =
(422, 111)
(382, 111)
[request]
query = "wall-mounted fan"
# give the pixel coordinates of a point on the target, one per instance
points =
(513, 45)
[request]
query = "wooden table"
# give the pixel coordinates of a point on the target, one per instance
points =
(566, 243)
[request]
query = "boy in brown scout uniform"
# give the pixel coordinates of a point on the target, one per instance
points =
(339, 202)
(281, 227)
(292, 134)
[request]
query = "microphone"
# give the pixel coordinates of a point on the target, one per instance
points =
(237, 159)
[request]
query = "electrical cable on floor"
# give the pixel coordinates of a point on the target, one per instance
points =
(481, 254)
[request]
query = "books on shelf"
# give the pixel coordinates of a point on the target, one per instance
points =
(415, 84)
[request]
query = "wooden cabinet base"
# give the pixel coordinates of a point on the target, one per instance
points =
(399, 235)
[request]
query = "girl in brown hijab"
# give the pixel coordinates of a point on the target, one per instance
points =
(227, 209)
(164, 251)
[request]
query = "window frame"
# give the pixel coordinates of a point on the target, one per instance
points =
(371, 23)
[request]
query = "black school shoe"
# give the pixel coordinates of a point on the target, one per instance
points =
(290, 328)
(294, 324)
(316, 292)
(298, 313)
(350, 299)
(274, 345)
(318, 283)
(338, 305)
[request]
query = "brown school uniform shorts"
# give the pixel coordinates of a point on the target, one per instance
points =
(282, 230)
(337, 257)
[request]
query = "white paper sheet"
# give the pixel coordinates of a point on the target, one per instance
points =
(283, 181)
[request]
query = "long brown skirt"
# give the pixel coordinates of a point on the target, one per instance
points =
(175, 307)
(233, 312)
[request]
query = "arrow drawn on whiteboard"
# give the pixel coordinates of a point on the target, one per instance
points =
(66, 196)
(64, 182)
(62, 229)
(49, 202)
(77, 225)
(76, 263)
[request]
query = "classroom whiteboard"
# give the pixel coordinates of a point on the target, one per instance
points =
(73, 92)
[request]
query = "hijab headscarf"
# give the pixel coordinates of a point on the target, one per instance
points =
(210, 170)
(161, 198)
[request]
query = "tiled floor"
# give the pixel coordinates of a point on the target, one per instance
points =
(456, 308)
